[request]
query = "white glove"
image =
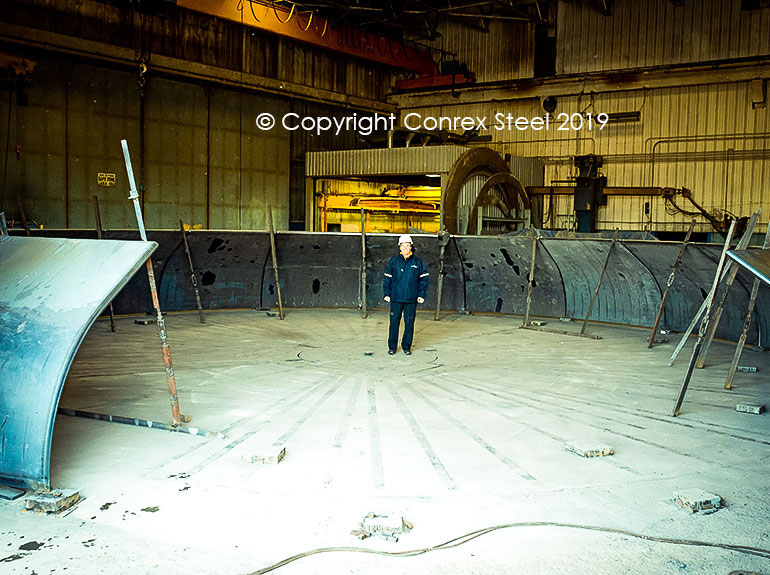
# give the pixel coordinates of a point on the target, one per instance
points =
(420, 300)
(387, 298)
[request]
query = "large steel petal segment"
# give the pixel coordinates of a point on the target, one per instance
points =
(51, 291)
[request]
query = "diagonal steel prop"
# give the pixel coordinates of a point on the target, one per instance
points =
(176, 415)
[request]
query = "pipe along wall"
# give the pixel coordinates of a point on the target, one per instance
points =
(482, 274)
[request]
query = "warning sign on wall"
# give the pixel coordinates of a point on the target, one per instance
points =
(105, 180)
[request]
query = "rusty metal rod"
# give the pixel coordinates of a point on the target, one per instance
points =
(275, 261)
(443, 238)
(176, 414)
(670, 281)
(599, 283)
(531, 281)
(731, 275)
(742, 244)
(138, 422)
(192, 272)
(22, 215)
(98, 217)
(746, 321)
(363, 264)
(704, 324)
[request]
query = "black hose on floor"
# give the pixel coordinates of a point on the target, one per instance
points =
(759, 552)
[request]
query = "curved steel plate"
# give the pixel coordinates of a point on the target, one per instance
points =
(497, 276)
(51, 291)
(234, 269)
(692, 284)
(229, 268)
(629, 293)
(315, 270)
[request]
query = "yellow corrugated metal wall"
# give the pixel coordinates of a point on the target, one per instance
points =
(706, 136)
(657, 33)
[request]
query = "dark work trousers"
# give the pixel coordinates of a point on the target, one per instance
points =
(396, 309)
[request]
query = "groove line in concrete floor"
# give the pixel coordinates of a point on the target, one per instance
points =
(579, 415)
(378, 473)
(645, 414)
(473, 435)
(189, 455)
(344, 424)
(327, 482)
(309, 412)
(430, 453)
(634, 438)
(559, 440)
(681, 420)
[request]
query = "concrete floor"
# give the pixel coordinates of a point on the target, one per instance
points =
(466, 433)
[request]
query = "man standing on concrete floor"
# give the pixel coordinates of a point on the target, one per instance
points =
(405, 285)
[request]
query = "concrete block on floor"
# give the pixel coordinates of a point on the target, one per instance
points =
(587, 448)
(267, 456)
(54, 501)
(694, 500)
(750, 408)
(388, 526)
(386, 522)
(747, 368)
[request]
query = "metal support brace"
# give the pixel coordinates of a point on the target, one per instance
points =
(192, 272)
(168, 363)
(443, 240)
(531, 281)
(22, 215)
(363, 264)
(669, 284)
(99, 230)
(742, 243)
(705, 323)
(746, 322)
(599, 283)
(275, 261)
(731, 275)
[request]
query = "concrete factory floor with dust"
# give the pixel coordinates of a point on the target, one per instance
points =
(465, 434)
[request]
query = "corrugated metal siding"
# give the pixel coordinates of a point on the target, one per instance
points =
(200, 38)
(36, 176)
(249, 169)
(505, 52)
(387, 161)
(706, 138)
(72, 127)
(102, 109)
(656, 33)
(175, 138)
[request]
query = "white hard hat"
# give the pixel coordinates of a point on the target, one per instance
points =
(405, 239)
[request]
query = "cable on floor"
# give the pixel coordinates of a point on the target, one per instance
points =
(457, 541)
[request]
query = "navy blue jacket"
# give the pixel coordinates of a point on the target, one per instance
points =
(405, 280)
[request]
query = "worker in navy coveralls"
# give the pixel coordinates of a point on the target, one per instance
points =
(405, 285)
